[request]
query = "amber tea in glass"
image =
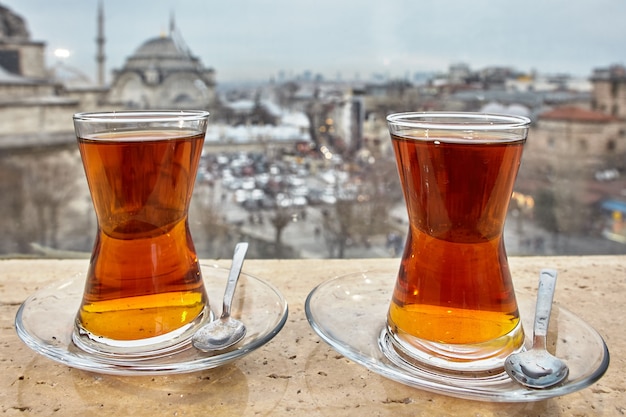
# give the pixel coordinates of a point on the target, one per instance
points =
(144, 292)
(454, 306)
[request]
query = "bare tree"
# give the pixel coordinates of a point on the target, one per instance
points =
(52, 184)
(362, 209)
(280, 219)
(13, 205)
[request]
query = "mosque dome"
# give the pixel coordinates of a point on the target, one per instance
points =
(163, 46)
(163, 73)
(162, 54)
(12, 26)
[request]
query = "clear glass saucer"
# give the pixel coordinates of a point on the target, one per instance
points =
(45, 322)
(349, 312)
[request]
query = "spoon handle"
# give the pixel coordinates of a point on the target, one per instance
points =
(233, 276)
(545, 295)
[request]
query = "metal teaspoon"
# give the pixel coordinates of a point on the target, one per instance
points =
(537, 368)
(225, 331)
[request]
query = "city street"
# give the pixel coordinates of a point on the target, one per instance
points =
(303, 236)
(304, 233)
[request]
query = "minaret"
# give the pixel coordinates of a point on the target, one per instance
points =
(100, 58)
(177, 37)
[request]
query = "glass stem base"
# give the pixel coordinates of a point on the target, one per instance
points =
(481, 357)
(148, 348)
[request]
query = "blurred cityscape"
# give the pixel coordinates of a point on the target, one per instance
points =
(302, 166)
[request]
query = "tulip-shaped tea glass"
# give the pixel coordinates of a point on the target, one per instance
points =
(453, 306)
(144, 294)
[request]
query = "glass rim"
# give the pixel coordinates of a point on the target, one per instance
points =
(136, 116)
(460, 121)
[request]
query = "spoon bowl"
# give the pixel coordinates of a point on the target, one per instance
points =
(225, 331)
(537, 368)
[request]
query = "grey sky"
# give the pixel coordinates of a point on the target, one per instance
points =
(254, 39)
